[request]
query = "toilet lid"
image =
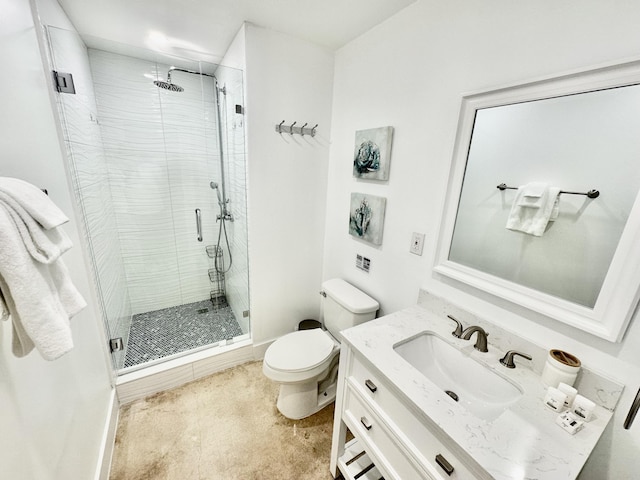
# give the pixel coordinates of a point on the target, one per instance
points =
(298, 351)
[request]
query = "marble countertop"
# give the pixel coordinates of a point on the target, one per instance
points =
(524, 442)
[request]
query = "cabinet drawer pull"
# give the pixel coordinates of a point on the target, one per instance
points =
(446, 466)
(370, 385)
(365, 423)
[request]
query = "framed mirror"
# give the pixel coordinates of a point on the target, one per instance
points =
(543, 204)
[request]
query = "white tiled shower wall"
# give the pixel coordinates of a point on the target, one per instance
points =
(162, 153)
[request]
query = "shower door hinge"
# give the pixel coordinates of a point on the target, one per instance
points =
(63, 82)
(245, 314)
(116, 344)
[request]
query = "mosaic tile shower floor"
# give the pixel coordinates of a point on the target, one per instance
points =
(172, 330)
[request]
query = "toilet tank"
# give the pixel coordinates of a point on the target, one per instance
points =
(345, 306)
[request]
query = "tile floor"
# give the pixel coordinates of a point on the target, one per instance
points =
(172, 330)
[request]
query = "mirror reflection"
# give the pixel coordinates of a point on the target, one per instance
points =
(570, 143)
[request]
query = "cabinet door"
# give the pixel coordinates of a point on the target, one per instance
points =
(378, 441)
(419, 442)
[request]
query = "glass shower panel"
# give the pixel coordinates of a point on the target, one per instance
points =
(159, 153)
(89, 169)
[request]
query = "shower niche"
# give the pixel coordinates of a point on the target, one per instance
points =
(151, 139)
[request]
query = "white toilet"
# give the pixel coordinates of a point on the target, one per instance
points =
(305, 363)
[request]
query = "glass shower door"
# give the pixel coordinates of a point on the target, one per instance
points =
(143, 161)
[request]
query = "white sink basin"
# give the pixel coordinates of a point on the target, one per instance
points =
(480, 390)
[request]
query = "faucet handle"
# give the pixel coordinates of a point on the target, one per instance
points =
(458, 331)
(507, 360)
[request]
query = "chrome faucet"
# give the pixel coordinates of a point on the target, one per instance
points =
(481, 340)
(507, 360)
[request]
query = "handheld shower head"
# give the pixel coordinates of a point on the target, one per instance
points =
(214, 185)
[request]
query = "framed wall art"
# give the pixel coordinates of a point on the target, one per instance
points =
(366, 217)
(372, 153)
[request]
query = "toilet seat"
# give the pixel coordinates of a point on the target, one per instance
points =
(300, 351)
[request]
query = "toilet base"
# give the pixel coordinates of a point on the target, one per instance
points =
(301, 400)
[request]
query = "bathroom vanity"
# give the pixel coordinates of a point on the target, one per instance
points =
(408, 427)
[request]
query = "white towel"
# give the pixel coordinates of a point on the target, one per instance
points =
(45, 246)
(40, 298)
(34, 201)
(4, 310)
(531, 195)
(533, 208)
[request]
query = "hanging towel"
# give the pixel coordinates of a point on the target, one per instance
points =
(531, 195)
(39, 297)
(34, 201)
(45, 246)
(535, 205)
(4, 310)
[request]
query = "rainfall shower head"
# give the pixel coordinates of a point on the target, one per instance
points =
(172, 87)
(168, 85)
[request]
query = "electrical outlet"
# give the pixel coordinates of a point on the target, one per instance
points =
(417, 242)
(363, 263)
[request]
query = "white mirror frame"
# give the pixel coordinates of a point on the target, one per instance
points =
(620, 291)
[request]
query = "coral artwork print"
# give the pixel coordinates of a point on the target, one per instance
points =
(366, 217)
(372, 153)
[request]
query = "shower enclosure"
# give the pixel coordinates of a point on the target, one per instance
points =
(156, 153)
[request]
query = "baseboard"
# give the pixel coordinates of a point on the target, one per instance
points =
(108, 439)
(142, 383)
(260, 349)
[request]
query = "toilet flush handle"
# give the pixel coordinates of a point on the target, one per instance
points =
(323, 293)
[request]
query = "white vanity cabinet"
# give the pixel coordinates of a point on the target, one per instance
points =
(390, 432)
(407, 426)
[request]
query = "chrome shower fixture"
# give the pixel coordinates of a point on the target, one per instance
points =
(172, 87)
(168, 85)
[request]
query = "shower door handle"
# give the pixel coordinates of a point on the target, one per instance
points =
(199, 224)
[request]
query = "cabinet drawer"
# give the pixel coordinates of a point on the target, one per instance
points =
(420, 441)
(379, 443)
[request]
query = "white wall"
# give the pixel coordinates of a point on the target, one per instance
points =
(410, 72)
(53, 413)
(286, 79)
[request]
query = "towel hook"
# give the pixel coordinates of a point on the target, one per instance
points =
(313, 130)
(280, 126)
(291, 127)
(302, 129)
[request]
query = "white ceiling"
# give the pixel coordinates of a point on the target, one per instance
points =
(203, 29)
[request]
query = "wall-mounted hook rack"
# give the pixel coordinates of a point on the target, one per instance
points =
(292, 129)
